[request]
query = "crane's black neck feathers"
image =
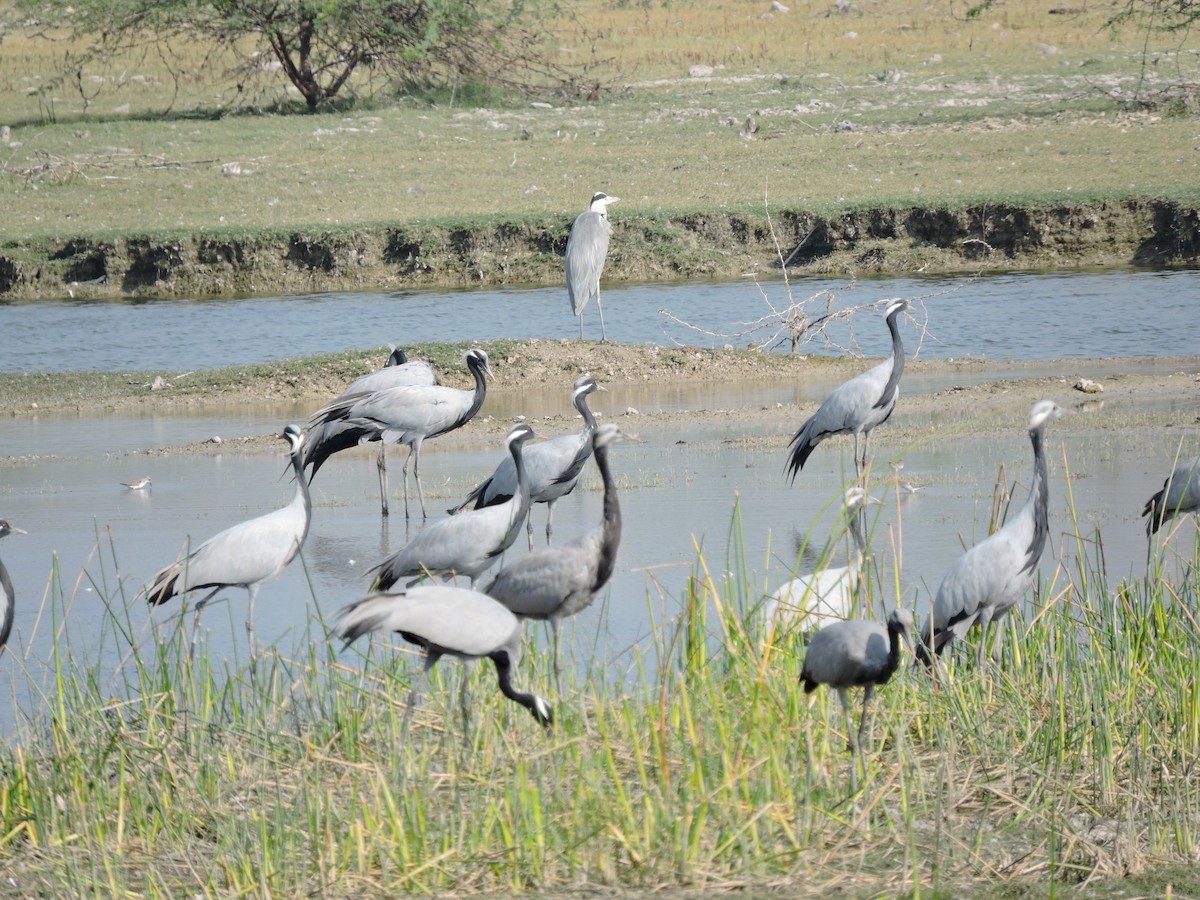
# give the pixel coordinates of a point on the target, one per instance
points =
(1039, 501)
(541, 711)
(888, 397)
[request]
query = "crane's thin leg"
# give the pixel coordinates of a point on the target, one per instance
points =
(430, 662)
(196, 622)
(581, 324)
(600, 309)
(464, 700)
(843, 696)
(997, 637)
(417, 478)
(866, 452)
(529, 529)
(862, 728)
(985, 618)
(381, 465)
(557, 665)
(404, 473)
(857, 465)
(253, 591)
(549, 520)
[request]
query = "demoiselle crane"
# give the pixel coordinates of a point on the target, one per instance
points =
(446, 620)
(7, 596)
(556, 582)
(469, 543)
(244, 555)
(1180, 494)
(553, 466)
(856, 653)
(855, 407)
(988, 580)
(826, 595)
(396, 415)
(587, 249)
(398, 371)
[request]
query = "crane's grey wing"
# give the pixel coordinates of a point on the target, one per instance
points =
(453, 619)
(465, 544)
(415, 373)
(547, 581)
(992, 573)
(587, 248)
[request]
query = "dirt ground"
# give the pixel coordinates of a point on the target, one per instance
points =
(935, 396)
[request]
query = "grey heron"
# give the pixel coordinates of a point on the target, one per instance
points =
(244, 555)
(587, 249)
(826, 595)
(446, 621)
(7, 597)
(406, 414)
(987, 580)
(856, 653)
(1180, 494)
(557, 582)
(466, 544)
(857, 406)
(553, 466)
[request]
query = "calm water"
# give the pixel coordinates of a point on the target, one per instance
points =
(1017, 316)
(679, 489)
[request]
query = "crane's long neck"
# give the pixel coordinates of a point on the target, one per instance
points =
(610, 525)
(522, 497)
(1037, 505)
(303, 498)
(537, 707)
(589, 420)
(480, 390)
(888, 395)
(893, 661)
(854, 517)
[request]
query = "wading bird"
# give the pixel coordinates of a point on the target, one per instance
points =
(587, 248)
(397, 371)
(855, 653)
(553, 467)
(7, 597)
(551, 584)
(138, 484)
(988, 579)
(447, 621)
(857, 406)
(466, 544)
(244, 555)
(1180, 494)
(826, 595)
(396, 415)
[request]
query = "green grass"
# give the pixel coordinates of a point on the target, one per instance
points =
(705, 767)
(938, 110)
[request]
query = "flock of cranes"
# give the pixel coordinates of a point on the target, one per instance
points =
(416, 593)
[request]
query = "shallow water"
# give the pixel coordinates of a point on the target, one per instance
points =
(1072, 315)
(59, 476)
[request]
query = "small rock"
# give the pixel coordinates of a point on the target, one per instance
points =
(778, 7)
(630, 411)
(215, 439)
(158, 384)
(1087, 386)
(700, 72)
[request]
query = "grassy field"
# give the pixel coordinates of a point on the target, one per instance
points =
(881, 104)
(1068, 770)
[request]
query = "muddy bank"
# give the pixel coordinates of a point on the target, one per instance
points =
(883, 240)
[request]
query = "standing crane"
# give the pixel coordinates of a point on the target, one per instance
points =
(466, 544)
(587, 249)
(244, 555)
(553, 466)
(987, 580)
(446, 621)
(557, 582)
(7, 596)
(1180, 494)
(855, 407)
(856, 653)
(826, 595)
(396, 415)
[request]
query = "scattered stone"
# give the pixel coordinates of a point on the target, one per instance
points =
(778, 7)
(215, 439)
(158, 384)
(5, 135)
(630, 411)
(700, 72)
(1087, 386)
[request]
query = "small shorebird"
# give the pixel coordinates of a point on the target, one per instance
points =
(138, 484)
(909, 487)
